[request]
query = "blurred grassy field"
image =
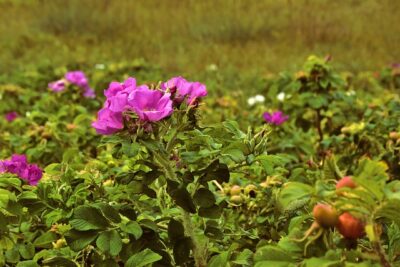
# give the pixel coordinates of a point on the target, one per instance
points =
(187, 36)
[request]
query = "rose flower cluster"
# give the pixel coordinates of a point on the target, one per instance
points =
(150, 105)
(77, 78)
(19, 165)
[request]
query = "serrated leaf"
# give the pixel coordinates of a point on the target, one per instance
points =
(59, 261)
(204, 198)
(143, 258)
(175, 231)
(271, 253)
(294, 191)
(390, 211)
(88, 218)
(132, 228)
(220, 259)
(78, 240)
(213, 212)
(29, 263)
(109, 212)
(44, 240)
(182, 198)
(181, 250)
(110, 242)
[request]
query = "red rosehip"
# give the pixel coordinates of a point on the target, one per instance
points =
(325, 215)
(350, 227)
(346, 182)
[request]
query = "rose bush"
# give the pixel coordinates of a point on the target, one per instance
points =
(156, 173)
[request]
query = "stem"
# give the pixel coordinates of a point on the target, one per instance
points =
(382, 256)
(319, 128)
(198, 250)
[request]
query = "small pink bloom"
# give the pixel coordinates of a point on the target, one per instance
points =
(10, 116)
(276, 118)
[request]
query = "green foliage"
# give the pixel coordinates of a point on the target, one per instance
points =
(201, 191)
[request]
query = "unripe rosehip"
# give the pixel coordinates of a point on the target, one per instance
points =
(71, 126)
(235, 190)
(325, 215)
(345, 182)
(350, 227)
(394, 135)
(236, 199)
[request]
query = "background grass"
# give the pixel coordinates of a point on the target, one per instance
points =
(186, 36)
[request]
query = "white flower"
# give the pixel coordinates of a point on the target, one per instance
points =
(259, 98)
(351, 92)
(281, 96)
(251, 101)
(212, 67)
(99, 66)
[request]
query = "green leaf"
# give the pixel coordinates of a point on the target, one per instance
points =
(275, 264)
(321, 262)
(204, 198)
(44, 240)
(109, 212)
(53, 169)
(182, 198)
(143, 258)
(78, 240)
(110, 242)
(390, 211)
(130, 149)
(271, 253)
(244, 258)
(132, 228)
(372, 176)
(27, 251)
(175, 231)
(213, 212)
(233, 127)
(12, 255)
(29, 263)
(181, 250)
(294, 191)
(14, 182)
(59, 261)
(88, 218)
(220, 260)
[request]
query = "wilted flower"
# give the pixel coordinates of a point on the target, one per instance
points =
(276, 118)
(150, 105)
(108, 122)
(57, 86)
(77, 77)
(10, 116)
(18, 165)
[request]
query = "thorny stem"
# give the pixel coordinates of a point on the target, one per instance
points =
(382, 256)
(198, 250)
(319, 127)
